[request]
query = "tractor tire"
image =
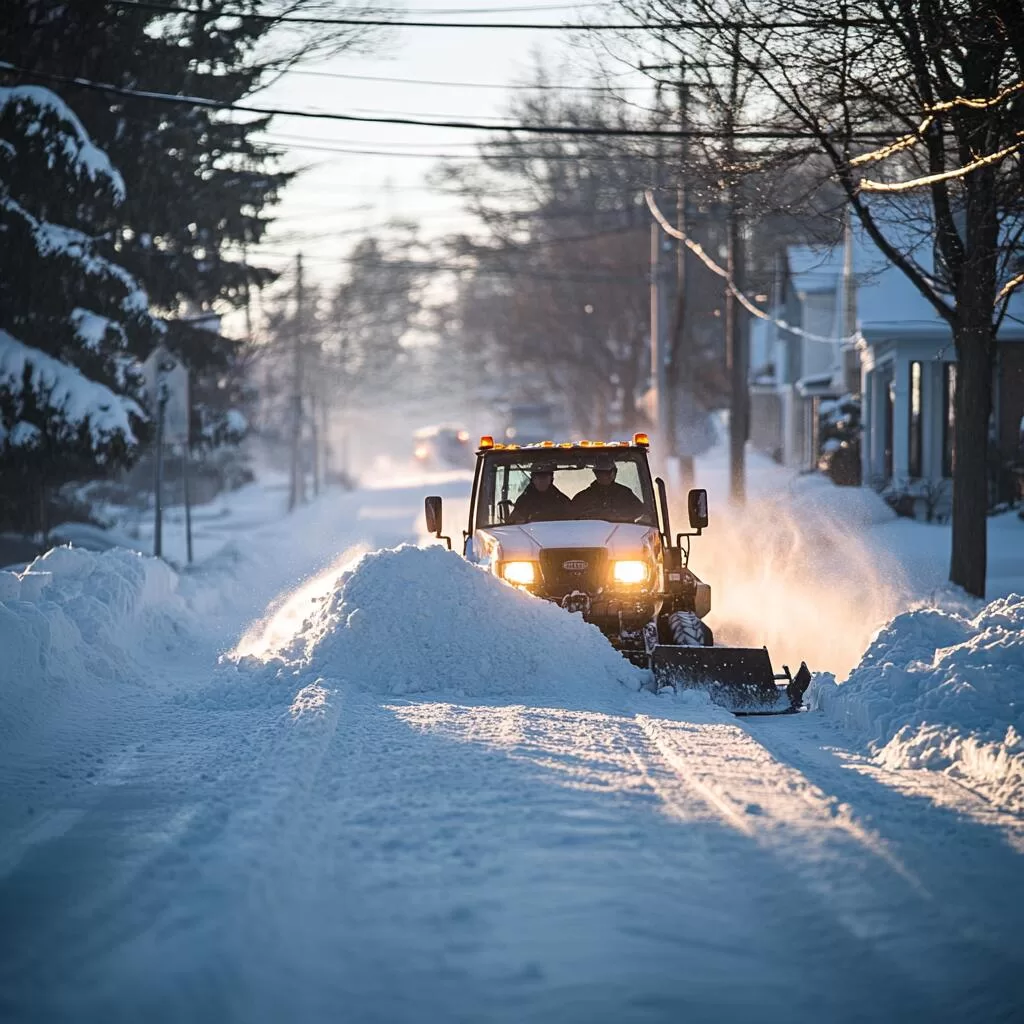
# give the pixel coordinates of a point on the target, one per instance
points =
(687, 630)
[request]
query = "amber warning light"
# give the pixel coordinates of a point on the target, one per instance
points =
(486, 441)
(642, 439)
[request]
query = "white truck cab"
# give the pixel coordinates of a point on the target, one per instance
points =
(594, 537)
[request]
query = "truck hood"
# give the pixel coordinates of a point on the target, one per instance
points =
(620, 540)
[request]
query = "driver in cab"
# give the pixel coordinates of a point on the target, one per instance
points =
(605, 499)
(541, 500)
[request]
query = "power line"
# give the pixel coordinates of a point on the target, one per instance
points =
(499, 120)
(512, 148)
(476, 10)
(540, 87)
(675, 25)
(730, 283)
(285, 137)
(478, 251)
(515, 154)
(532, 129)
(439, 267)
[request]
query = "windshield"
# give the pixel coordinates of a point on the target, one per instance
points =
(599, 484)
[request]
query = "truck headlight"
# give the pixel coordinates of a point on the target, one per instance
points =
(630, 572)
(520, 573)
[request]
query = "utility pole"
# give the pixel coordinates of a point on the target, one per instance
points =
(850, 374)
(158, 484)
(659, 383)
(314, 426)
(736, 338)
(681, 355)
(297, 490)
(676, 356)
(658, 368)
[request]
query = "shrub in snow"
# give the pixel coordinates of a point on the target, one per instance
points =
(412, 620)
(72, 323)
(839, 433)
(942, 691)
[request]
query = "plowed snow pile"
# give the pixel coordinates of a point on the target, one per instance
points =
(73, 624)
(415, 620)
(941, 691)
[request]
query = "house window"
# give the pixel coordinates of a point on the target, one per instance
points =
(916, 437)
(949, 418)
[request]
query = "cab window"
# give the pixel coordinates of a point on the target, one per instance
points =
(505, 477)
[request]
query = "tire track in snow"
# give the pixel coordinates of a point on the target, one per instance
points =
(851, 869)
(963, 847)
(733, 905)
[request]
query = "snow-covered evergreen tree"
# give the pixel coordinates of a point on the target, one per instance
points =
(73, 323)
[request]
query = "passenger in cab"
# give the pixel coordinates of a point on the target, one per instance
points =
(605, 499)
(542, 500)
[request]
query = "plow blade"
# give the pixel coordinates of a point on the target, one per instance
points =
(740, 679)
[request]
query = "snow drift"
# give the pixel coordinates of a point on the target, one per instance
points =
(72, 624)
(942, 691)
(415, 620)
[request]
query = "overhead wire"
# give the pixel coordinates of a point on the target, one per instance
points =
(676, 24)
(437, 155)
(536, 87)
(532, 129)
(439, 267)
(698, 250)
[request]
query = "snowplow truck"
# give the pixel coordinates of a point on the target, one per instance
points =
(584, 525)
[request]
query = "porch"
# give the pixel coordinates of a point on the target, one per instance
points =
(908, 388)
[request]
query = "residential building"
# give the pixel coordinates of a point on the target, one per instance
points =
(904, 356)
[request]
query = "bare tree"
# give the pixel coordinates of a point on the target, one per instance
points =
(939, 79)
(558, 275)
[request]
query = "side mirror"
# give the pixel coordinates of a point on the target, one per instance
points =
(432, 511)
(697, 506)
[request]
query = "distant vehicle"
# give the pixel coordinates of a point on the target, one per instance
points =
(443, 445)
(530, 423)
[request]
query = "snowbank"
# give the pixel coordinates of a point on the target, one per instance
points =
(72, 624)
(415, 620)
(859, 507)
(942, 691)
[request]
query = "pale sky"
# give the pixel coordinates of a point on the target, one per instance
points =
(326, 208)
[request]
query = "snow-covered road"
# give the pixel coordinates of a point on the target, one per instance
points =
(281, 835)
(418, 860)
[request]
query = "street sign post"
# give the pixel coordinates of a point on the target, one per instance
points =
(167, 389)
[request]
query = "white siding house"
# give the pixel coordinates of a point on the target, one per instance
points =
(906, 365)
(792, 372)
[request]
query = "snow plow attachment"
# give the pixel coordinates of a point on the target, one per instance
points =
(740, 679)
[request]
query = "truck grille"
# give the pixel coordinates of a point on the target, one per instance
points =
(568, 569)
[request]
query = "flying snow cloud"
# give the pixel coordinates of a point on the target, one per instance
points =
(796, 573)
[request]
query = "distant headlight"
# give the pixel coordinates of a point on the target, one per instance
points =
(520, 573)
(630, 572)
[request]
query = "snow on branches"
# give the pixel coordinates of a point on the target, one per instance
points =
(79, 404)
(51, 125)
(74, 324)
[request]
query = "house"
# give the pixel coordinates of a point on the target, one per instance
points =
(795, 369)
(903, 354)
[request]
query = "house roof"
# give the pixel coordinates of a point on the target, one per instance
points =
(815, 268)
(888, 303)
